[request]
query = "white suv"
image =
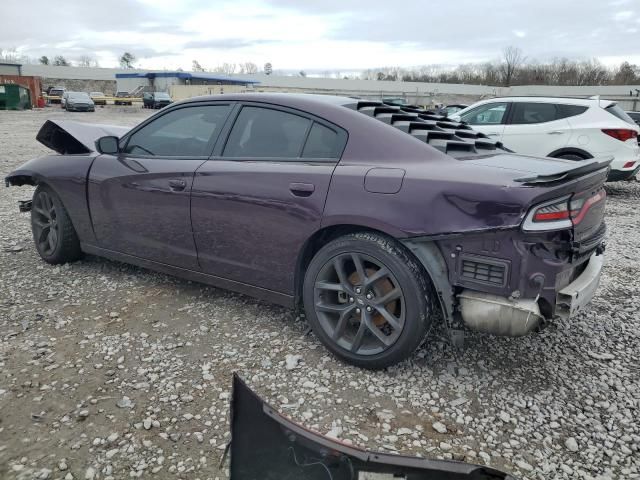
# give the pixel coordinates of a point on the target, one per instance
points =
(570, 128)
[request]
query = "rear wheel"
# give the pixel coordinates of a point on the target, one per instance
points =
(53, 234)
(571, 156)
(366, 299)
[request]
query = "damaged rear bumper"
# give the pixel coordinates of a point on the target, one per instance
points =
(516, 317)
(575, 296)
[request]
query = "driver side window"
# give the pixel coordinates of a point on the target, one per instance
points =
(490, 114)
(185, 132)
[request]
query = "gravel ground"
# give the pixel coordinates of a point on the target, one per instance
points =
(111, 371)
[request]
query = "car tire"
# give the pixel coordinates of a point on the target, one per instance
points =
(54, 236)
(571, 156)
(371, 323)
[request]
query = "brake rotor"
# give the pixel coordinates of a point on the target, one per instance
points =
(380, 288)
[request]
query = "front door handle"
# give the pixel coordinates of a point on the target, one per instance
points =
(555, 132)
(493, 134)
(302, 189)
(177, 185)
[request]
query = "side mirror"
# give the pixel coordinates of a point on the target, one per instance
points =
(108, 145)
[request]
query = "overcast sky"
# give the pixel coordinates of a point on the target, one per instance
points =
(321, 34)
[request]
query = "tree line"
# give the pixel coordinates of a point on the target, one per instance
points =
(514, 69)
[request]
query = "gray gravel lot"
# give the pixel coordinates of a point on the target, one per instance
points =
(111, 371)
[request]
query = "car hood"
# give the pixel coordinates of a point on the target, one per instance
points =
(69, 137)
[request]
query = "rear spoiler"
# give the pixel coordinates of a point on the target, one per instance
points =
(68, 138)
(574, 169)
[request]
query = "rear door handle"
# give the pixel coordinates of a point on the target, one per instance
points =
(177, 185)
(493, 134)
(302, 189)
(555, 132)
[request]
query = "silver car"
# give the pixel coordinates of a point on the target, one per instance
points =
(78, 102)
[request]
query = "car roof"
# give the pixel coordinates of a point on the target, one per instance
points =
(284, 99)
(540, 99)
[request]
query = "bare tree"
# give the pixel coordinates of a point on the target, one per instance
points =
(226, 68)
(626, 74)
(512, 58)
(268, 68)
(127, 59)
(196, 67)
(248, 67)
(44, 60)
(85, 61)
(10, 55)
(60, 61)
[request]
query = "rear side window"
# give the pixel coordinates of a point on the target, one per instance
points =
(566, 111)
(184, 132)
(489, 114)
(322, 142)
(264, 132)
(616, 111)
(527, 113)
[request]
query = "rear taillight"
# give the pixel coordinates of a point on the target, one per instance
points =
(561, 213)
(628, 164)
(622, 134)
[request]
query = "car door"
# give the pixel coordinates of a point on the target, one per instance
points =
(488, 118)
(140, 199)
(536, 128)
(261, 196)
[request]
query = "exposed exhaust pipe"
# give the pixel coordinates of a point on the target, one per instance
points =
(499, 315)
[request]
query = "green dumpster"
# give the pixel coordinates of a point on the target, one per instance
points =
(14, 97)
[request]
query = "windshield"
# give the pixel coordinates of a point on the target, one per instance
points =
(79, 96)
(97, 94)
(162, 96)
(616, 111)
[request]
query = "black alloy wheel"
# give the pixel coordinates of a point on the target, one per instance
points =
(367, 299)
(359, 303)
(45, 223)
(53, 234)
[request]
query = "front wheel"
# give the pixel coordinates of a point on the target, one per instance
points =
(53, 234)
(366, 299)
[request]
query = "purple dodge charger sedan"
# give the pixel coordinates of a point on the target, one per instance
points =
(377, 220)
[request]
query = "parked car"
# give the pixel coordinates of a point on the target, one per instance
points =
(377, 220)
(155, 99)
(55, 94)
(398, 101)
(635, 116)
(122, 98)
(570, 128)
(63, 99)
(452, 109)
(98, 98)
(79, 102)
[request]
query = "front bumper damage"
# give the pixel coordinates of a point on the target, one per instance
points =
(516, 317)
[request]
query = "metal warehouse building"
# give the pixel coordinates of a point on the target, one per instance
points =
(161, 81)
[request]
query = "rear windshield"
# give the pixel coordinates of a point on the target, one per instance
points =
(616, 111)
